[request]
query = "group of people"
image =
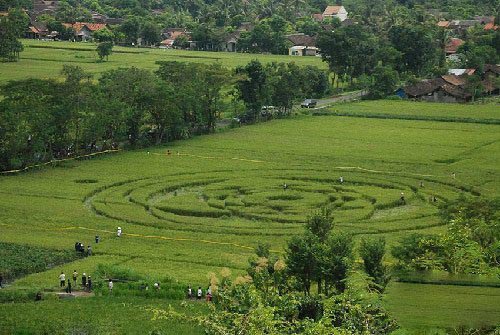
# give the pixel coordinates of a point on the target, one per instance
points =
(79, 247)
(86, 282)
(199, 293)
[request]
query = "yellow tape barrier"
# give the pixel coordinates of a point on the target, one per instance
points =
(210, 157)
(178, 239)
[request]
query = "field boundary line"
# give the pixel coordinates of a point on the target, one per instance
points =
(59, 160)
(212, 157)
(179, 239)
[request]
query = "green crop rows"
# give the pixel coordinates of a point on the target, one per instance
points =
(207, 204)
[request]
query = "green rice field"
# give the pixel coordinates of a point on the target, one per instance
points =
(44, 59)
(206, 205)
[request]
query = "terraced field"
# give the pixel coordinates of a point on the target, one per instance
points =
(207, 204)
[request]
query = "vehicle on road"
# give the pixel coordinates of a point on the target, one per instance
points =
(308, 103)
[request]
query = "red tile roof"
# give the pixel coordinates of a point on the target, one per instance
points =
(491, 26)
(443, 24)
(318, 17)
(453, 45)
(77, 26)
(332, 10)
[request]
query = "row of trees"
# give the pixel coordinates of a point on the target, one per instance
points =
(41, 119)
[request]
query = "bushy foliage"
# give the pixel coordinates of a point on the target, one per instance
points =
(469, 245)
(18, 260)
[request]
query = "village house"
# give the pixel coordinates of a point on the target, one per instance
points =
(453, 87)
(302, 45)
(37, 30)
(331, 11)
(83, 31)
(230, 42)
(459, 27)
(335, 11)
(48, 7)
(491, 72)
(452, 46)
(448, 88)
(169, 36)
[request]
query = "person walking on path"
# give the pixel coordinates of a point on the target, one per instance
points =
(68, 289)
(84, 280)
(62, 279)
(110, 285)
(75, 276)
(89, 284)
(119, 232)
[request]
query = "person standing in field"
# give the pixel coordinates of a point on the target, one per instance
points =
(190, 292)
(68, 289)
(110, 285)
(84, 280)
(119, 232)
(341, 179)
(89, 284)
(89, 250)
(199, 294)
(62, 279)
(75, 276)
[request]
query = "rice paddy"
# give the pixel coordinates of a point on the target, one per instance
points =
(206, 202)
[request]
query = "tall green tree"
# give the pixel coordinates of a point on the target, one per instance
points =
(417, 47)
(12, 27)
(372, 252)
(104, 49)
(252, 86)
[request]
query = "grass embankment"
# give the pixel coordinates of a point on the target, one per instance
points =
(187, 214)
(44, 59)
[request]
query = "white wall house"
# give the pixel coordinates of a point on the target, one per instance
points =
(335, 11)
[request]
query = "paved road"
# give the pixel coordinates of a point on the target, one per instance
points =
(322, 103)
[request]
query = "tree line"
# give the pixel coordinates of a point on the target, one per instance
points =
(43, 119)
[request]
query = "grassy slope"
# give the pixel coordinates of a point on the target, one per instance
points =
(43, 59)
(48, 207)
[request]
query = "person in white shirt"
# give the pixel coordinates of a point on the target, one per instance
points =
(62, 279)
(199, 294)
(119, 232)
(110, 285)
